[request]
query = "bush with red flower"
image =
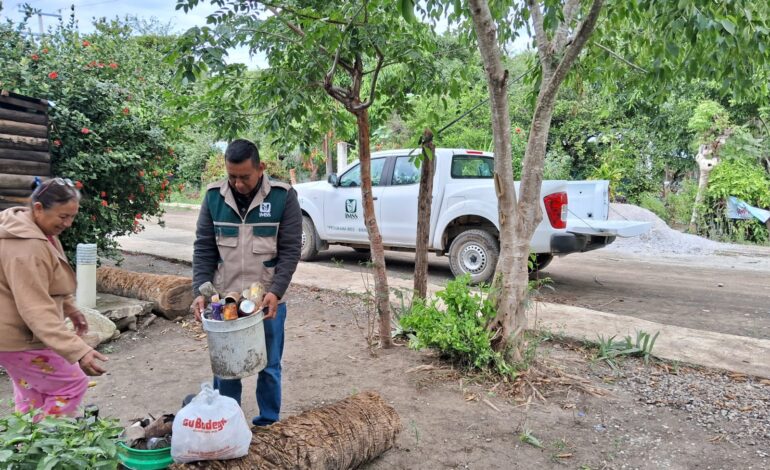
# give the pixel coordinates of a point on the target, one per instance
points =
(112, 155)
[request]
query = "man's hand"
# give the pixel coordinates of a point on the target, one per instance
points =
(90, 366)
(79, 322)
(270, 301)
(197, 307)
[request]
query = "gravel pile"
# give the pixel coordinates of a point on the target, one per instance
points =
(661, 238)
(736, 406)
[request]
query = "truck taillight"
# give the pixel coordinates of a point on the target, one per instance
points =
(556, 208)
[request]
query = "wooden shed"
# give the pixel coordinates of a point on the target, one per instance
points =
(24, 149)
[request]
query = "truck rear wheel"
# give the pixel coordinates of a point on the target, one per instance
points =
(309, 240)
(474, 252)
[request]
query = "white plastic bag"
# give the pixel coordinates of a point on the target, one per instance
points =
(210, 427)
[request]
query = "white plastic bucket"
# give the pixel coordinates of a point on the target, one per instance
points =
(236, 347)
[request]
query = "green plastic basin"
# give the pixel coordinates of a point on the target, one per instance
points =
(135, 459)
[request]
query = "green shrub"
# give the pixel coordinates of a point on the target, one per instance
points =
(679, 204)
(455, 324)
(57, 442)
(652, 203)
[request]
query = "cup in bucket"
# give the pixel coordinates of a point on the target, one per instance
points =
(236, 347)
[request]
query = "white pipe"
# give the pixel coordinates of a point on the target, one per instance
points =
(85, 295)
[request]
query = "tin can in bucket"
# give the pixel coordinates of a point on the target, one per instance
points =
(236, 347)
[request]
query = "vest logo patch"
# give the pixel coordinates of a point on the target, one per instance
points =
(264, 209)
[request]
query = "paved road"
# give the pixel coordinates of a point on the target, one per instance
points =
(728, 294)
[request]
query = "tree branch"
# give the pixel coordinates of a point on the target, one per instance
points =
(573, 50)
(617, 56)
(305, 15)
(570, 11)
(541, 39)
(330, 74)
(373, 86)
(298, 31)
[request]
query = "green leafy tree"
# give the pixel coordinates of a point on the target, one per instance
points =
(670, 39)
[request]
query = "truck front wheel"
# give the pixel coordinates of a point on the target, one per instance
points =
(309, 240)
(474, 252)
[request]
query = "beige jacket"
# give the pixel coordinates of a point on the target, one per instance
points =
(37, 287)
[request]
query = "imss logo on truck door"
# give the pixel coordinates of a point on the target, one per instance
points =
(351, 207)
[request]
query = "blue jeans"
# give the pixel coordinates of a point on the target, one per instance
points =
(269, 380)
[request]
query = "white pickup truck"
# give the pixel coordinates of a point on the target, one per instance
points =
(464, 221)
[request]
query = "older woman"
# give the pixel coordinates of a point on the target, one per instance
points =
(46, 361)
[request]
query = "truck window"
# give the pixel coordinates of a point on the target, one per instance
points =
(472, 166)
(352, 177)
(405, 172)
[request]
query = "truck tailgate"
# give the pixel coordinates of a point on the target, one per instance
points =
(608, 228)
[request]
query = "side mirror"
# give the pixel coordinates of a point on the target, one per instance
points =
(333, 179)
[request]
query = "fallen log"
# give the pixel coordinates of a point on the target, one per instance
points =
(24, 102)
(8, 141)
(344, 435)
(28, 155)
(21, 167)
(18, 181)
(23, 128)
(172, 295)
(21, 116)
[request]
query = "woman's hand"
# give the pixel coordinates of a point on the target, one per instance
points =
(90, 366)
(79, 322)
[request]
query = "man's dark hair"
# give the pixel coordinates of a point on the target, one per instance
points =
(241, 150)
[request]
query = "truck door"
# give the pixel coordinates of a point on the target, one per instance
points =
(343, 210)
(398, 204)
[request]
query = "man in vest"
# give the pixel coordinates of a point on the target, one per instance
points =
(250, 230)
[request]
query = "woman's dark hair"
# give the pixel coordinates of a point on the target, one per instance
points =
(54, 192)
(241, 150)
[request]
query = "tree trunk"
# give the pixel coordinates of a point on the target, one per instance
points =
(328, 153)
(424, 203)
(341, 436)
(519, 220)
(703, 181)
(172, 294)
(506, 293)
(381, 292)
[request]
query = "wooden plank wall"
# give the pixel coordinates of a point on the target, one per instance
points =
(24, 148)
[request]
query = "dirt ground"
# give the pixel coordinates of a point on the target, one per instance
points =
(450, 420)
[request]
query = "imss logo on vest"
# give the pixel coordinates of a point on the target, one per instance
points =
(264, 209)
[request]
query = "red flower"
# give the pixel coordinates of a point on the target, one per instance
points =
(85, 130)
(104, 203)
(138, 216)
(35, 57)
(163, 184)
(141, 188)
(126, 111)
(57, 143)
(45, 51)
(78, 185)
(518, 130)
(162, 197)
(103, 194)
(141, 173)
(53, 75)
(86, 43)
(113, 65)
(100, 65)
(91, 64)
